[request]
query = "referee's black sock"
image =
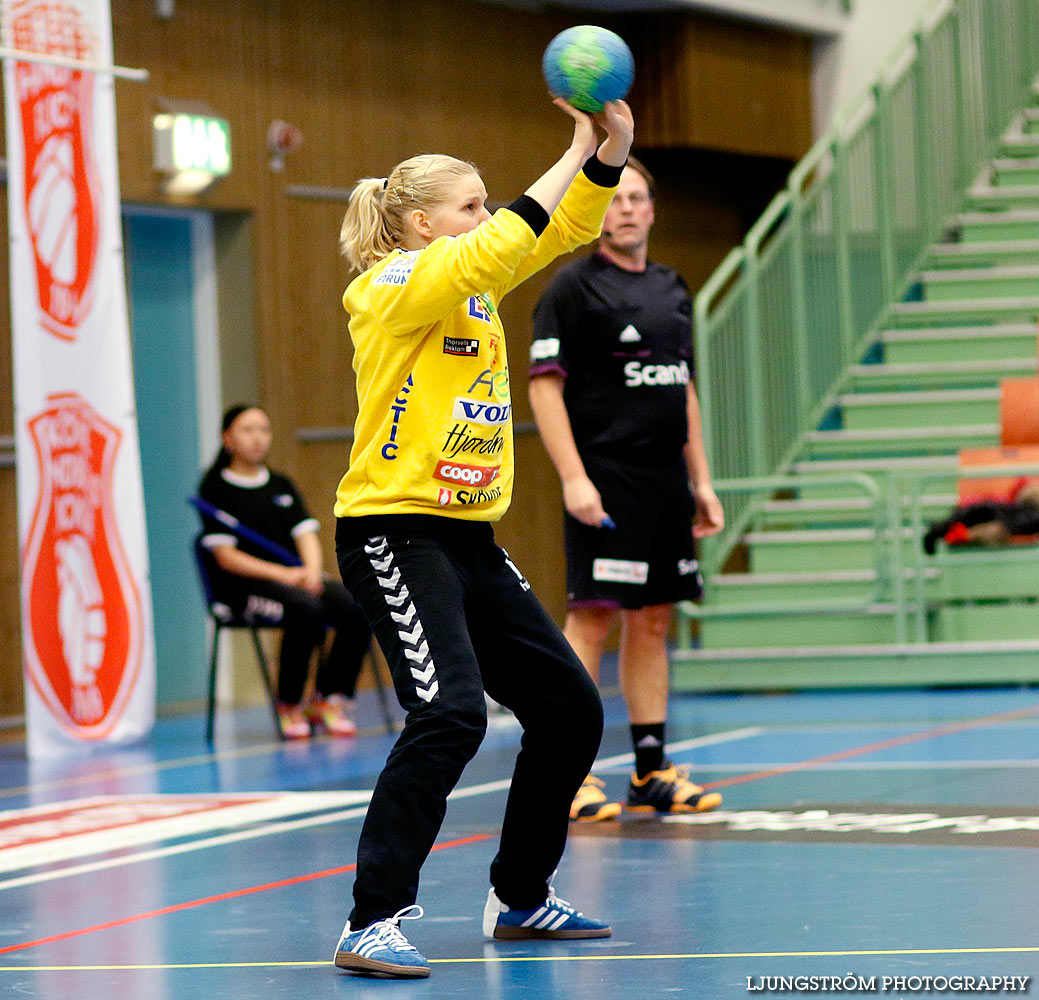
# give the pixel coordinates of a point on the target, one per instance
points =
(648, 741)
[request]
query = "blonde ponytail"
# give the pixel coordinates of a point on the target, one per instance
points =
(376, 220)
(364, 237)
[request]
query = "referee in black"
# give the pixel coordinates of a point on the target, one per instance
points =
(612, 393)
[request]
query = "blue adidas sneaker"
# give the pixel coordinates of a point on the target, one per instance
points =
(555, 920)
(380, 949)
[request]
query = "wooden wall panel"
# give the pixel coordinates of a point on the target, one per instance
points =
(712, 83)
(6, 380)
(370, 84)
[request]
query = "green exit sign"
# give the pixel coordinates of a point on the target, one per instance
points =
(188, 143)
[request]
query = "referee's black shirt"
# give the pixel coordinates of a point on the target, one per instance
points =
(623, 342)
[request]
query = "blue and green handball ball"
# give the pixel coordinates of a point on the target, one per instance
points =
(588, 66)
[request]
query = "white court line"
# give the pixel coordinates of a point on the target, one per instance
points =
(865, 765)
(195, 845)
(340, 815)
(137, 770)
(84, 828)
(605, 763)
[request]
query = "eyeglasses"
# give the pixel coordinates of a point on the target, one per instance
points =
(635, 200)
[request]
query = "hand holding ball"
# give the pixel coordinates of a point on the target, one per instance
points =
(588, 66)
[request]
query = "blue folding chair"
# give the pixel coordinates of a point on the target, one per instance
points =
(224, 618)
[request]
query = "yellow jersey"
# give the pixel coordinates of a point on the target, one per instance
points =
(433, 433)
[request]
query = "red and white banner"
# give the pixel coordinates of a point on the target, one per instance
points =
(86, 607)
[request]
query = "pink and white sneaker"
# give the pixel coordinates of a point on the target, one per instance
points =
(334, 713)
(292, 722)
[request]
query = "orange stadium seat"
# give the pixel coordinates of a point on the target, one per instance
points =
(1019, 411)
(1019, 437)
(1002, 489)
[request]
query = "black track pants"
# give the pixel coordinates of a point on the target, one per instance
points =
(454, 617)
(305, 618)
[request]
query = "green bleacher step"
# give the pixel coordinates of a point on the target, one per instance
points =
(729, 589)
(1011, 224)
(772, 668)
(940, 374)
(958, 578)
(1021, 139)
(854, 511)
(1028, 121)
(1025, 125)
(807, 588)
(1023, 145)
(944, 408)
(987, 196)
(961, 312)
(822, 549)
(986, 622)
(873, 625)
(1015, 171)
(943, 345)
(965, 574)
(902, 441)
(982, 253)
(981, 283)
(940, 471)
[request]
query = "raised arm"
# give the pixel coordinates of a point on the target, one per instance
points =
(518, 240)
(577, 218)
(549, 188)
(616, 120)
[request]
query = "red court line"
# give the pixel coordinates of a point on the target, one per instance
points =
(221, 897)
(927, 734)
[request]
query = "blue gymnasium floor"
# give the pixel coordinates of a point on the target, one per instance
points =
(863, 834)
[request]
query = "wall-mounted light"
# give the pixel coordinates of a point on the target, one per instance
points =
(191, 150)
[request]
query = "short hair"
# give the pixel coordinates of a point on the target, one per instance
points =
(376, 219)
(640, 168)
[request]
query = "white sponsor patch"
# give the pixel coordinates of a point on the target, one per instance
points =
(620, 571)
(629, 335)
(687, 566)
(474, 475)
(547, 348)
(479, 412)
(398, 270)
(463, 347)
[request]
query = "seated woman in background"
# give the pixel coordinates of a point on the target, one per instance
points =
(302, 599)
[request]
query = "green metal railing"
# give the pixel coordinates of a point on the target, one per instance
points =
(905, 577)
(779, 323)
(877, 516)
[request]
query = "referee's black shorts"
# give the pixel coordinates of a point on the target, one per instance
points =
(650, 558)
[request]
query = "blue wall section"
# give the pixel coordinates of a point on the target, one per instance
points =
(160, 284)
